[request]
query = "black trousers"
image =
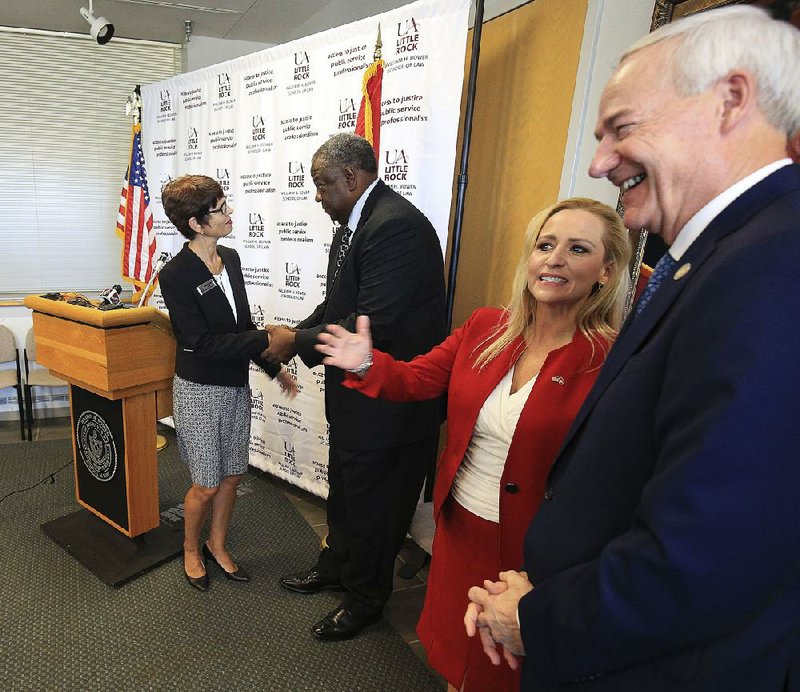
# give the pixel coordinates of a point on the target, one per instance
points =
(371, 501)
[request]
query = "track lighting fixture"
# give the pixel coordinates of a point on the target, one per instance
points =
(100, 29)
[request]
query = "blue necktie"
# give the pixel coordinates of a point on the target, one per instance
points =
(663, 267)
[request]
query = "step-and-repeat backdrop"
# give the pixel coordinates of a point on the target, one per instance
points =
(253, 123)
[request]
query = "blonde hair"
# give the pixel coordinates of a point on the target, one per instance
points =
(601, 313)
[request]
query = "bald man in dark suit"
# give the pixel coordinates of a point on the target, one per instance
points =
(385, 262)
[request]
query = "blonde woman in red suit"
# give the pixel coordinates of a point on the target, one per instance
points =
(515, 379)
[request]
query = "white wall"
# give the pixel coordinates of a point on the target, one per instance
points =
(611, 26)
(203, 51)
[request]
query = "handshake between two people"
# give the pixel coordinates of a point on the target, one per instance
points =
(281, 350)
(281, 347)
(341, 348)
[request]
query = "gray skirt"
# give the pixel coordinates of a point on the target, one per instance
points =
(212, 424)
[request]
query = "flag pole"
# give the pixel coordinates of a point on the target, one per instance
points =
(368, 120)
(459, 211)
(463, 177)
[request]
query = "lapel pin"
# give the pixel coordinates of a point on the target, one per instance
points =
(682, 271)
(557, 379)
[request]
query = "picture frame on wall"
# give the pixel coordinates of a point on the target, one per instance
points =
(666, 11)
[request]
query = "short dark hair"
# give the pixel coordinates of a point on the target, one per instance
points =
(348, 149)
(188, 196)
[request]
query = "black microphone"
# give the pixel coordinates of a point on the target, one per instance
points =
(110, 296)
(110, 300)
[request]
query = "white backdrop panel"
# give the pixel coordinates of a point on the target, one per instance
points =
(253, 123)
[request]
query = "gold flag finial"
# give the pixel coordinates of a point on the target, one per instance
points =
(378, 45)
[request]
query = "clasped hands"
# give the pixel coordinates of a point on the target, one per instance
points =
(281, 347)
(492, 615)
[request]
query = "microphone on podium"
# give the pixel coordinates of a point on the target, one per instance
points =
(163, 258)
(110, 296)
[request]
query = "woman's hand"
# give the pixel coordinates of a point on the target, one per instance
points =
(344, 349)
(287, 384)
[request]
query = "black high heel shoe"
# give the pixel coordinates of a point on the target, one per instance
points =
(199, 583)
(238, 575)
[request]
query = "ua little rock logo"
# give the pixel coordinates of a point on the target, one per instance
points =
(223, 85)
(347, 114)
(292, 275)
(224, 178)
(256, 400)
(408, 36)
(297, 175)
(396, 165)
(192, 140)
(257, 313)
(259, 129)
(302, 66)
(165, 101)
(255, 227)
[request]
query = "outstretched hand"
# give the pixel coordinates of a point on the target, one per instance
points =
(344, 349)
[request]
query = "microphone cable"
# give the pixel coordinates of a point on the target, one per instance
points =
(49, 479)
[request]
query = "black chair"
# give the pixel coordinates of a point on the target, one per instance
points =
(35, 377)
(8, 377)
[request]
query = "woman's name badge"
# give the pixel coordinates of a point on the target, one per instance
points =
(205, 287)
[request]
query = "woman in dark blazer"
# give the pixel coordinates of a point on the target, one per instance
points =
(204, 291)
(515, 379)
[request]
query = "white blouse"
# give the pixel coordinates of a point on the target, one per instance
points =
(224, 282)
(476, 485)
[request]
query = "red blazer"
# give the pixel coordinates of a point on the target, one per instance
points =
(563, 383)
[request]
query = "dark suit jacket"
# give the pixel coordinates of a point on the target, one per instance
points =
(563, 383)
(667, 553)
(213, 347)
(393, 273)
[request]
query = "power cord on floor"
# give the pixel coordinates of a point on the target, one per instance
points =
(50, 479)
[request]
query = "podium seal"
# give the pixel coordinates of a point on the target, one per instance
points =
(96, 446)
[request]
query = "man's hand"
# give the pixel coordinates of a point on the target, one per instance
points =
(281, 343)
(343, 349)
(492, 613)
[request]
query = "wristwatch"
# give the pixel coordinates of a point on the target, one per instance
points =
(362, 369)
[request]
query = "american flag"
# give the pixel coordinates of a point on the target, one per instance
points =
(135, 219)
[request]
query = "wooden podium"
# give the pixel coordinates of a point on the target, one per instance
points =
(119, 364)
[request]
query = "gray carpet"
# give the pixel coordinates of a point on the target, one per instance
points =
(61, 628)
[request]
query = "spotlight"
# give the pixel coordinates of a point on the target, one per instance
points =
(100, 29)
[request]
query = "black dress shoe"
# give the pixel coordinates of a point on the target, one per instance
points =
(310, 581)
(238, 575)
(342, 624)
(199, 583)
